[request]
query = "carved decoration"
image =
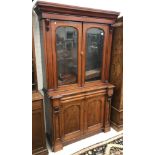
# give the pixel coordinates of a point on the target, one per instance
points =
(47, 24)
(56, 110)
(110, 29)
(110, 92)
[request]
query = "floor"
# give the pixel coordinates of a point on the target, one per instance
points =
(74, 147)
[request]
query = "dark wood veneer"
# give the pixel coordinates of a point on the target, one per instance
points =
(75, 111)
(116, 76)
(73, 10)
(38, 130)
(77, 18)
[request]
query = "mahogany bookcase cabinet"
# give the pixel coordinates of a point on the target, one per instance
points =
(76, 48)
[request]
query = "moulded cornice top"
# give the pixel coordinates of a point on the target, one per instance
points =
(49, 7)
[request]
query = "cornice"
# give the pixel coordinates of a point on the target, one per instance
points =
(49, 7)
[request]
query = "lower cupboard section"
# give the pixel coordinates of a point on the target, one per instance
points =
(75, 117)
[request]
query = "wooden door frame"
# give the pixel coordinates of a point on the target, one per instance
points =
(54, 25)
(105, 28)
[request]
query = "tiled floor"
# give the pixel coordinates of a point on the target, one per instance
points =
(74, 147)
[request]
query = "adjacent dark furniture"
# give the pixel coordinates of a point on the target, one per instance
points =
(116, 76)
(76, 50)
(38, 130)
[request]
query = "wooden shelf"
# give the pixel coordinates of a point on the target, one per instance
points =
(92, 73)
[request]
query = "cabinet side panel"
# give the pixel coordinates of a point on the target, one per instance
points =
(48, 116)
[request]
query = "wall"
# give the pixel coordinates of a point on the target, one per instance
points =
(36, 32)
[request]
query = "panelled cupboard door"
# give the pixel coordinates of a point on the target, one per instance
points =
(94, 112)
(66, 48)
(95, 49)
(72, 118)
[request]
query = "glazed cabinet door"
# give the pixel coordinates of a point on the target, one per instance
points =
(94, 113)
(66, 48)
(95, 50)
(72, 119)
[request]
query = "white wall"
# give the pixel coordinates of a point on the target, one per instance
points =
(37, 50)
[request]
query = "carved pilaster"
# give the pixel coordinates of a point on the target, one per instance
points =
(108, 57)
(57, 145)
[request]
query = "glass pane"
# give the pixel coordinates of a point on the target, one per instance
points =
(94, 52)
(66, 48)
